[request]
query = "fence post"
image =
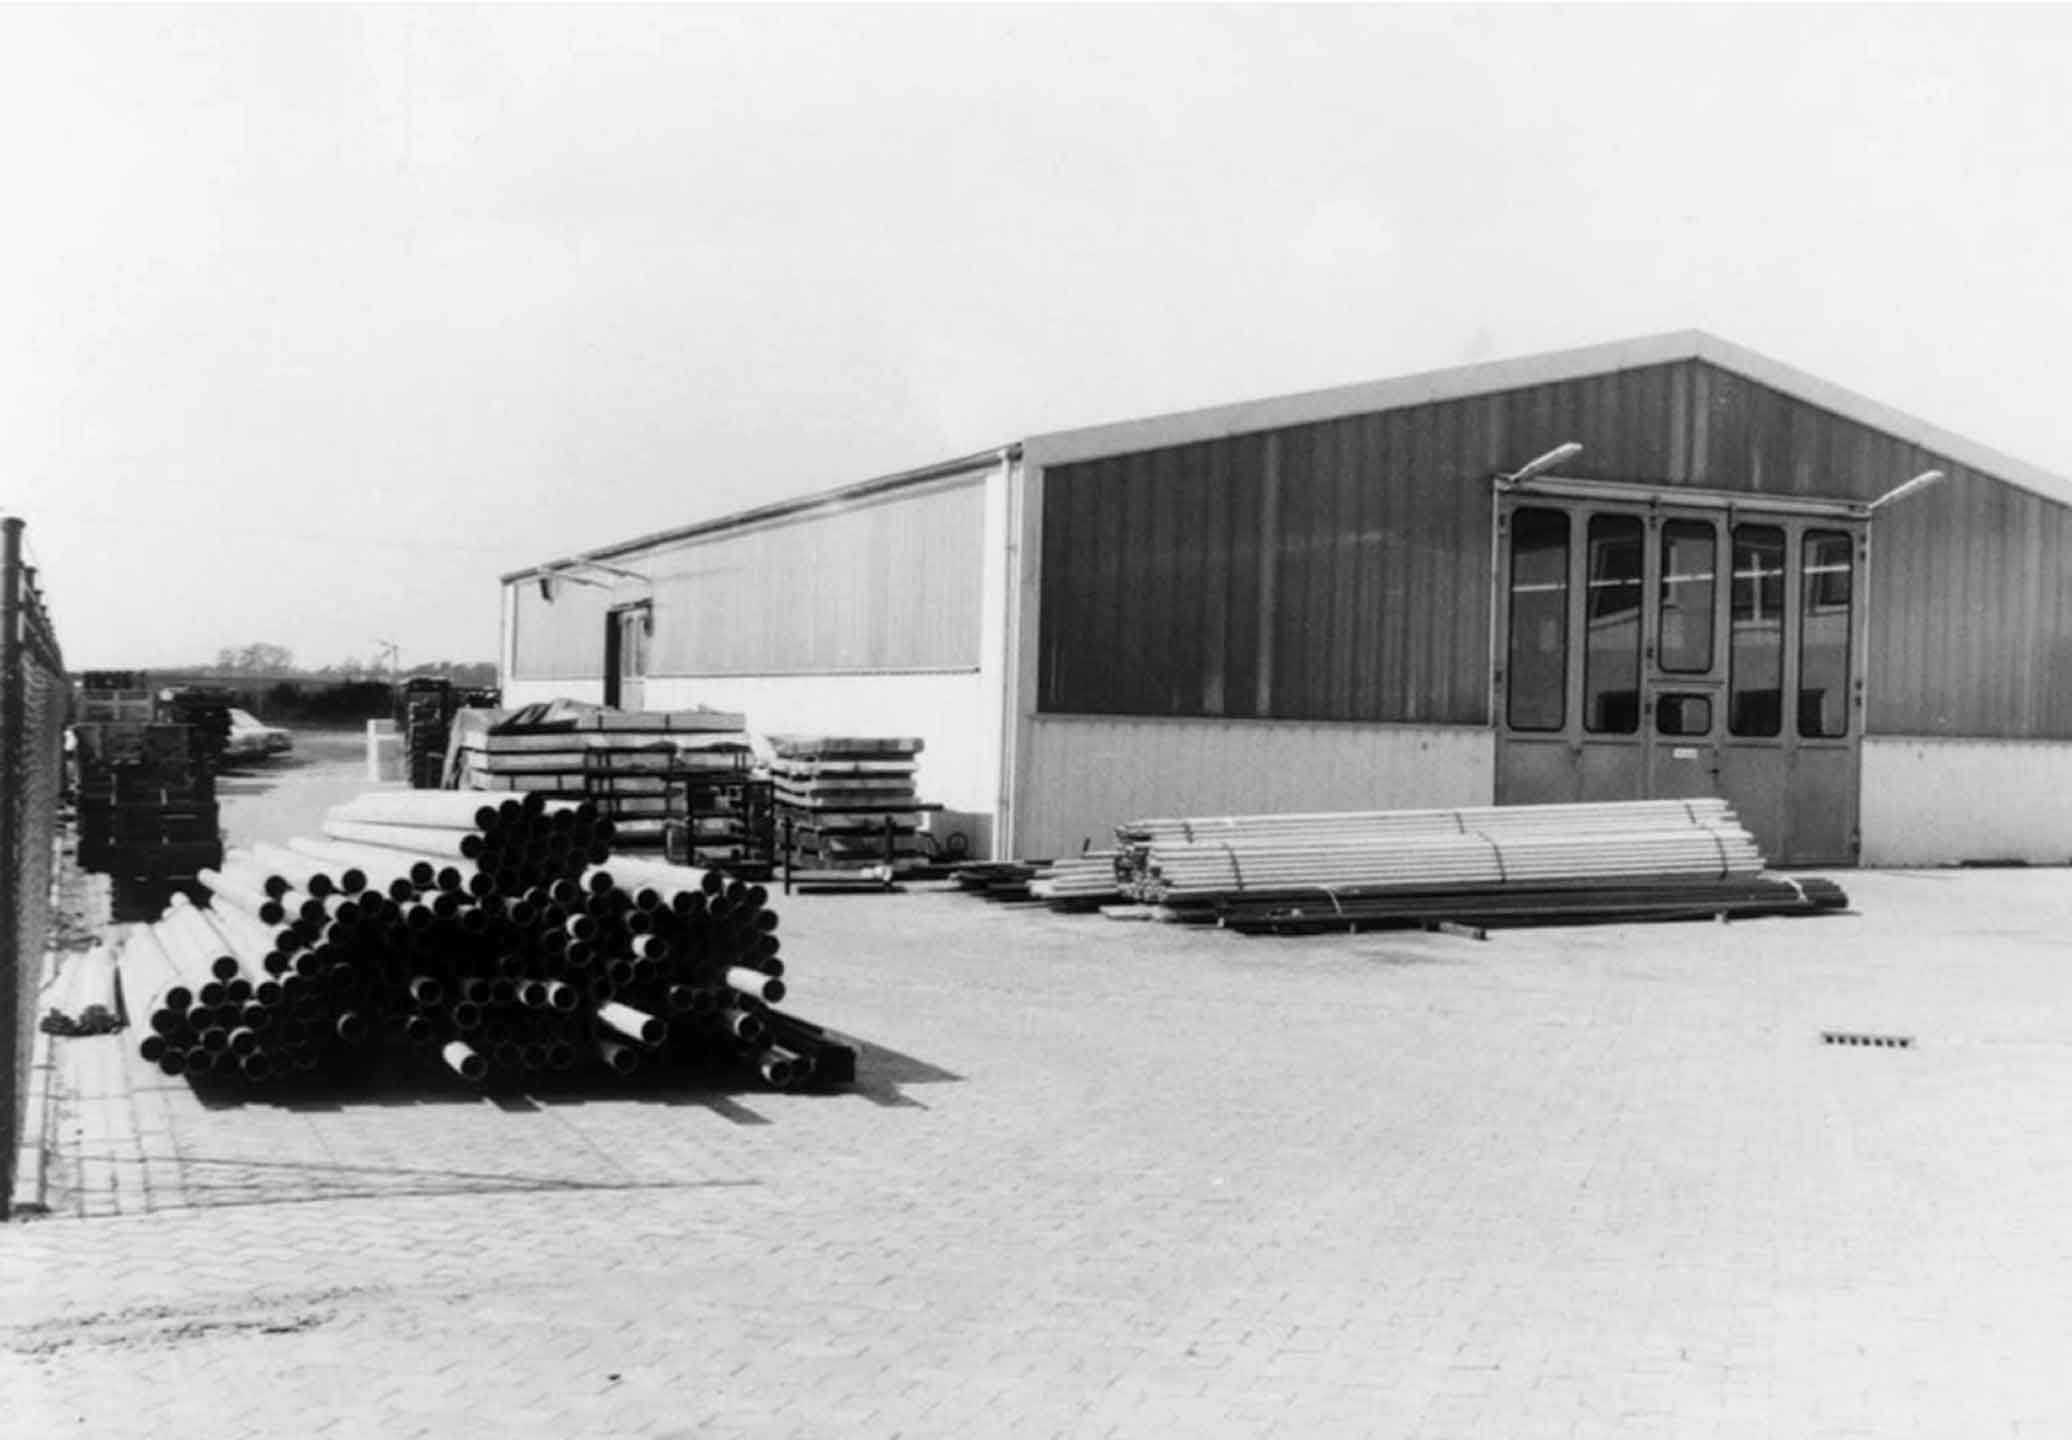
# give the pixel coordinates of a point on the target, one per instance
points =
(12, 800)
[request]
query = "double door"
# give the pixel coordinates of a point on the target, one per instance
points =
(1650, 651)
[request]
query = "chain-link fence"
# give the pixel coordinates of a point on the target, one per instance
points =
(34, 699)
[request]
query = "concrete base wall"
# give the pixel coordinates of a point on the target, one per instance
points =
(955, 715)
(1087, 775)
(1937, 802)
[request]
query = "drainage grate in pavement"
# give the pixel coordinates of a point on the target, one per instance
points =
(1857, 1037)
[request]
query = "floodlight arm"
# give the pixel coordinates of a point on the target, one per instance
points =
(1540, 465)
(1899, 492)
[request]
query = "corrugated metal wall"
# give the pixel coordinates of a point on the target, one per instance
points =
(1340, 570)
(892, 584)
(558, 639)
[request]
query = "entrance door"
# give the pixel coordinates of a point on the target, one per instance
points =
(626, 632)
(1646, 650)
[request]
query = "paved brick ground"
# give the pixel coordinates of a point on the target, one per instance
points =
(1115, 1179)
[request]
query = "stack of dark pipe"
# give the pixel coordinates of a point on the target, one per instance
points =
(501, 936)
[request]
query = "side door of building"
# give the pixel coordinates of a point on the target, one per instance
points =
(627, 630)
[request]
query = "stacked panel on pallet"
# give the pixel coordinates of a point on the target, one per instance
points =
(1498, 864)
(847, 805)
(624, 762)
(493, 936)
(148, 815)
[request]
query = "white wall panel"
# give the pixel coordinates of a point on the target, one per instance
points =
(1086, 775)
(1936, 802)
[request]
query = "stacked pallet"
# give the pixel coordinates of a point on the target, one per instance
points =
(427, 722)
(847, 805)
(148, 815)
(119, 696)
(624, 762)
(492, 937)
(1502, 864)
(207, 712)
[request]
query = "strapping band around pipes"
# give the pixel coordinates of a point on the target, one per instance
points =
(1496, 853)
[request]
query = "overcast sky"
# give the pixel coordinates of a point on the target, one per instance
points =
(315, 320)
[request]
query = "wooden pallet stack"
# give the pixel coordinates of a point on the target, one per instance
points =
(117, 696)
(207, 712)
(626, 763)
(427, 721)
(847, 809)
(148, 816)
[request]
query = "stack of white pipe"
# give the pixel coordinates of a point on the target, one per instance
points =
(1080, 877)
(81, 999)
(1196, 859)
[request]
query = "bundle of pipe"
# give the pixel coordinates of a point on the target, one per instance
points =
(475, 942)
(1201, 861)
(517, 841)
(1081, 882)
(1631, 901)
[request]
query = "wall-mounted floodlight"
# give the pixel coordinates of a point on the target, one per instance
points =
(1899, 492)
(1559, 455)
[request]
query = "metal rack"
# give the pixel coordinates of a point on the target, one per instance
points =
(718, 822)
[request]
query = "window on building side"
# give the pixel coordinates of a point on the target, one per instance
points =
(1611, 653)
(1826, 588)
(1537, 667)
(1690, 560)
(1755, 632)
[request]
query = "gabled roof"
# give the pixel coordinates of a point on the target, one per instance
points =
(1459, 382)
(1465, 381)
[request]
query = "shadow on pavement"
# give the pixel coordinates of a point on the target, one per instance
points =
(257, 777)
(719, 1085)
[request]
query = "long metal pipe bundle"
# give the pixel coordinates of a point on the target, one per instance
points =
(1227, 860)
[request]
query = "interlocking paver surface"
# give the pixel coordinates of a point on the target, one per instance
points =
(1103, 1178)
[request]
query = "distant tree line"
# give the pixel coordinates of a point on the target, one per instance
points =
(279, 660)
(264, 679)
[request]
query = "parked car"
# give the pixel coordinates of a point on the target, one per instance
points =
(252, 740)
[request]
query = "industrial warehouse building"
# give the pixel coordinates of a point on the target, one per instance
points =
(1417, 592)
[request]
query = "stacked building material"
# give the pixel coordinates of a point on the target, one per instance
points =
(497, 936)
(847, 806)
(1504, 863)
(625, 762)
(147, 808)
(1000, 880)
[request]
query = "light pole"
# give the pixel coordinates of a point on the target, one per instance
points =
(395, 654)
